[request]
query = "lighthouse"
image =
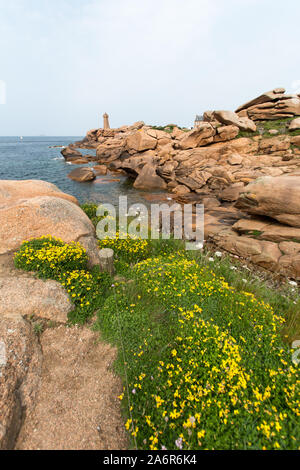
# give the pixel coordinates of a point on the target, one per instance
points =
(106, 121)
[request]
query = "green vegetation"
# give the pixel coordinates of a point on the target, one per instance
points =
(48, 255)
(205, 363)
(203, 343)
(90, 209)
(66, 263)
(169, 128)
(38, 328)
(264, 127)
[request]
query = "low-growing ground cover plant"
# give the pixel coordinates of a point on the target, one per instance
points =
(47, 255)
(129, 249)
(66, 263)
(205, 362)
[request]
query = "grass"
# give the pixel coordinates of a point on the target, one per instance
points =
(263, 128)
(282, 297)
(169, 128)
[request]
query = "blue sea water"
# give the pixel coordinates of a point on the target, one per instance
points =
(32, 158)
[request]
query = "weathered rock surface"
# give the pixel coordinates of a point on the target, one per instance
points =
(44, 299)
(12, 192)
(140, 141)
(76, 406)
(80, 161)
(20, 367)
(199, 137)
(28, 215)
(276, 197)
(269, 96)
(82, 175)
(231, 118)
(71, 153)
(274, 104)
(100, 169)
(225, 133)
(295, 124)
(267, 230)
(149, 179)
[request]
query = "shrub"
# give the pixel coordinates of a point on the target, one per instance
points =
(49, 256)
(128, 249)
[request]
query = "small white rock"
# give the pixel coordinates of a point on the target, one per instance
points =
(293, 283)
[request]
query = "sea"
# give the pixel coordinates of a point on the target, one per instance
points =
(39, 158)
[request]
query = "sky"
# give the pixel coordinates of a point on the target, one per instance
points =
(63, 63)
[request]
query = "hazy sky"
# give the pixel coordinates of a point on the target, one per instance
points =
(66, 62)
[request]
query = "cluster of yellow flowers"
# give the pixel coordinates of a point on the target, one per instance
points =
(51, 258)
(130, 248)
(47, 254)
(79, 285)
(226, 380)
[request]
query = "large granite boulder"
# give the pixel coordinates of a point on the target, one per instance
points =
(295, 124)
(13, 192)
(25, 296)
(274, 104)
(30, 215)
(276, 197)
(82, 175)
(198, 137)
(273, 95)
(148, 179)
(140, 141)
(231, 118)
(71, 153)
(225, 133)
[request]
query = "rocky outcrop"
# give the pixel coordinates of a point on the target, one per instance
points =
(269, 233)
(148, 179)
(13, 192)
(71, 153)
(43, 299)
(213, 163)
(199, 137)
(82, 175)
(231, 118)
(141, 141)
(100, 170)
(275, 197)
(30, 209)
(274, 104)
(295, 124)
